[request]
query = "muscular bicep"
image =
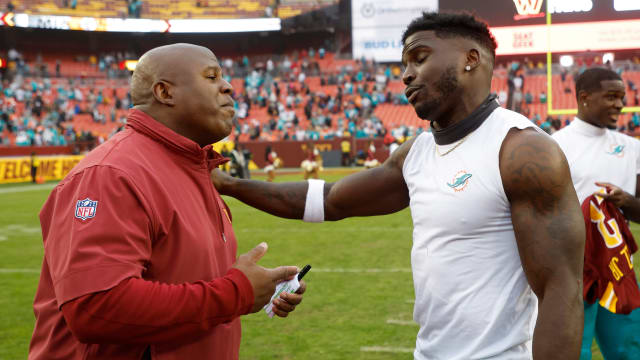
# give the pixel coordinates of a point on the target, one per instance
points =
(546, 215)
(378, 191)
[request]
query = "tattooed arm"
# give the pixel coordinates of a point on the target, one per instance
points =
(550, 235)
(377, 191)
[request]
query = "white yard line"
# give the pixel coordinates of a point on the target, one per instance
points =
(19, 271)
(315, 270)
(402, 322)
(288, 228)
(386, 349)
(339, 270)
(17, 189)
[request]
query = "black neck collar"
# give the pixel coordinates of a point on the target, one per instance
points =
(461, 129)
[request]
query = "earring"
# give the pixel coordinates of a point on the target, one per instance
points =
(585, 104)
(468, 68)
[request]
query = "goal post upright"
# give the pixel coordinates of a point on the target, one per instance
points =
(550, 109)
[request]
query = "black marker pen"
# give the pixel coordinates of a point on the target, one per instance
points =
(303, 272)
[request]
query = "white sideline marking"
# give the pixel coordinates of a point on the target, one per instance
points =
(8, 271)
(9, 230)
(16, 271)
(386, 349)
(331, 229)
(402, 322)
(17, 189)
(410, 301)
(362, 270)
(19, 227)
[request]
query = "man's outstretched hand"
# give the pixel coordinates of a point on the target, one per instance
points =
(264, 281)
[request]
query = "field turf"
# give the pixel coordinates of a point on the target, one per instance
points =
(360, 293)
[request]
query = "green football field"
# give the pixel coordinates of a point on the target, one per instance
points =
(358, 303)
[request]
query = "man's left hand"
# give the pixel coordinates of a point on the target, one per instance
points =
(287, 302)
(616, 195)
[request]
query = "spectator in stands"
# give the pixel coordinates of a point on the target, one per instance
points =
(536, 119)
(10, 7)
(635, 119)
(543, 98)
(135, 10)
(502, 97)
(528, 98)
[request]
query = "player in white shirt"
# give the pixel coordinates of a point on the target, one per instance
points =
(496, 218)
(601, 158)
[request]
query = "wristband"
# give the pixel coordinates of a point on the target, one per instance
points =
(314, 205)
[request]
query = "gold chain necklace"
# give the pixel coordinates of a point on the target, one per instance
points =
(455, 147)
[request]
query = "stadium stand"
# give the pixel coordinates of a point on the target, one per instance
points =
(290, 8)
(274, 101)
(167, 9)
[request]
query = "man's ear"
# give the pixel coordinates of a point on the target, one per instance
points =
(163, 92)
(473, 59)
(583, 97)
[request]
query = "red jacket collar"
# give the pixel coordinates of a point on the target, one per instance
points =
(143, 123)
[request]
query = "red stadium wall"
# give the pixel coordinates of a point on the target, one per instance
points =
(293, 153)
(39, 150)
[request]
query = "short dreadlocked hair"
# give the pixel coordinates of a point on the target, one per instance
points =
(447, 25)
(590, 80)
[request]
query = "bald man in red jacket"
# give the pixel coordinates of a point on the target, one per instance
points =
(140, 254)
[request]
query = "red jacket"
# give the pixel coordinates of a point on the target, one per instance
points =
(608, 268)
(139, 249)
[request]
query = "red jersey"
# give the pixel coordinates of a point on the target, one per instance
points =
(370, 155)
(141, 206)
(608, 268)
(271, 158)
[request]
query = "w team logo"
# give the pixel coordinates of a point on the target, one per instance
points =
(528, 7)
(616, 150)
(86, 209)
(460, 181)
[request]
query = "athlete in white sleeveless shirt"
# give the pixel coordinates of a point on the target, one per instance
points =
(496, 218)
(468, 277)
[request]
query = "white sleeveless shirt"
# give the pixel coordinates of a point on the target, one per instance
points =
(473, 300)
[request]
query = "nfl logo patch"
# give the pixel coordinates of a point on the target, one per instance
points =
(86, 209)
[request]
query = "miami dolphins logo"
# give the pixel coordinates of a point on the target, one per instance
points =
(460, 181)
(616, 150)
